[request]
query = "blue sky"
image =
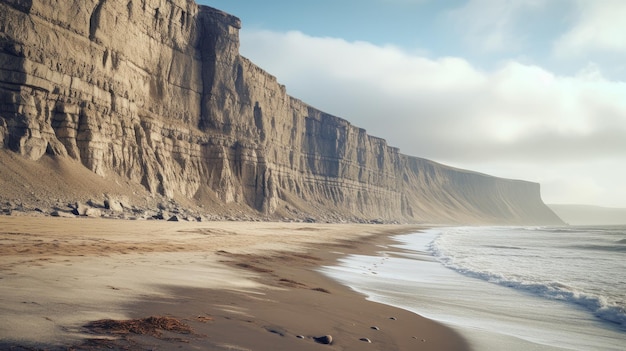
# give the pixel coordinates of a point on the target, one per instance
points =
(526, 89)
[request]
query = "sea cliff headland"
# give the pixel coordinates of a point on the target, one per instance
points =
(153, 97)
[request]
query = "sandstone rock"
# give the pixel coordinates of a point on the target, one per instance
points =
(58, 213)
(95, 204)
(80, 209)
(93, 212)
(113, 205)
(160, 216)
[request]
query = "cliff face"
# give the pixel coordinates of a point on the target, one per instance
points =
(155, 91)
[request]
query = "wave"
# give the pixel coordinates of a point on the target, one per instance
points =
(610, 229)
(505, 247)
(613, 248)
(598, 305)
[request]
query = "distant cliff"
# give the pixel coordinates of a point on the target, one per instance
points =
(155, 91)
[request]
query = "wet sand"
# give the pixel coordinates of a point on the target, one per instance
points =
(212, 286)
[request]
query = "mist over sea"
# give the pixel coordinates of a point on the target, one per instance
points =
(513, 288)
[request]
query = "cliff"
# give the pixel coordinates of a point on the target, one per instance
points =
(154, 92)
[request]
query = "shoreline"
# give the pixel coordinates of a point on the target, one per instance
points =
(274, 296)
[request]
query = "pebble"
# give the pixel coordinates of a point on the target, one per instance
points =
(366, 340)
(375, 328)
(326, 339)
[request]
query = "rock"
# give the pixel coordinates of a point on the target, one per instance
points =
(95, 204)
(160, 216)
(173, 219)
(57, 213)
(113, 205)
(366, 340)
(326, 339)
(80, 209)
(375, 328)
(93, 212)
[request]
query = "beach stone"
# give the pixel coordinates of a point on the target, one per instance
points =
(326, 339)
(113, 205)
(93, 203)
(366, 340)
(62, 214)
(81, 209)
(93, 212)
(160, 216)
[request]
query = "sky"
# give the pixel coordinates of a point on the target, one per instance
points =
(522, 89)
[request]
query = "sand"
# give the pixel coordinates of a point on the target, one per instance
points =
(102, 284)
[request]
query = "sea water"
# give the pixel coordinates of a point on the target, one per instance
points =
(505, 288)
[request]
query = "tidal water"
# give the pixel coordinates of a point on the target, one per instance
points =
(513, 288)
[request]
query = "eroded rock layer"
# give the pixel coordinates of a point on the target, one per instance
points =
(155, 91)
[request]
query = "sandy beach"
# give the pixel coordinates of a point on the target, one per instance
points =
(91, 284)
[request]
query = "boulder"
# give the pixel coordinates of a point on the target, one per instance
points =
(113, 205)
(63, 214)
(93, 212)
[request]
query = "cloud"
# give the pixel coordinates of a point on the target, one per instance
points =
(448, 110)
(599, 27)
(494, 25)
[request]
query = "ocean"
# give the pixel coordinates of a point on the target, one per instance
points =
(505, 288)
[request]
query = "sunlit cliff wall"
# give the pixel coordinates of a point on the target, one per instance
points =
(156, 91)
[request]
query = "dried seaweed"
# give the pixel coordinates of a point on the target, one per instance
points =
(153, 326)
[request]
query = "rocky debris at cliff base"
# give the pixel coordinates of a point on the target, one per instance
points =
(104, 209)
(151, 207)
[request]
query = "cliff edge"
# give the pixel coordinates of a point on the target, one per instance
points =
(154, 93)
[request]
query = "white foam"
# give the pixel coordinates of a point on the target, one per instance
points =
(489, 315)
(555, 283)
